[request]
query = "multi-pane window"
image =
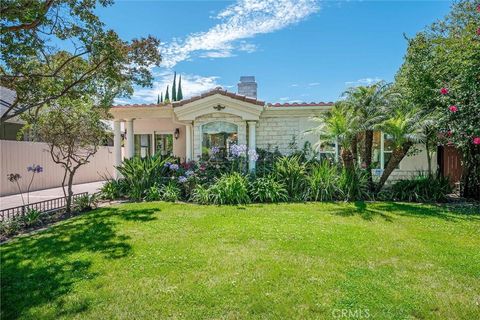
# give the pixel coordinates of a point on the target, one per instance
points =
(218, 134)
(164, 144)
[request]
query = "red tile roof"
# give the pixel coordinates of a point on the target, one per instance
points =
(301, 104)
(151, 105)
(220, 90)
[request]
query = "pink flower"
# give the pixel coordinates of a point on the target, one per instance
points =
(449, 133)
(478, 31)
(444, 91)
(478, 8)
(453, 108)
(476, 140)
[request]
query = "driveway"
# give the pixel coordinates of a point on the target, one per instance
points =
(40, 195)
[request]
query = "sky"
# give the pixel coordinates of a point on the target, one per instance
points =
(298, 50)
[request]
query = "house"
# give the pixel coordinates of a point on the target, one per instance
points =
(188, 129)
(9, 129)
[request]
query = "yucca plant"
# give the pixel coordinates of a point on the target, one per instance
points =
(201, 194)
(268, 189)
(141, 174)
(323, 182)
(170, 192)
(353, 185)
(230, 189)
(292, 173)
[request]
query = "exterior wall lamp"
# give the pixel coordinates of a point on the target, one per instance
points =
(177, 133)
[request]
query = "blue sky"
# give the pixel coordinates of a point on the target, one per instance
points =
(298, 50)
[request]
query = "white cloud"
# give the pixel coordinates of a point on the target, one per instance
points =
(242, 20)
(192, 85)
(284, 98)
(294, 85)
(217, 54)
(314, 84)
(362, 82)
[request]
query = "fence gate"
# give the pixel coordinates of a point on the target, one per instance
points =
(450, 163)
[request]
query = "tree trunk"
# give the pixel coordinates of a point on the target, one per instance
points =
(355, 149)
(397, 155)
(368, 157)
(347, 158)
(70, 192)
(429, 158)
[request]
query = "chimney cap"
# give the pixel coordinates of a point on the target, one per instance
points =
(247, 78)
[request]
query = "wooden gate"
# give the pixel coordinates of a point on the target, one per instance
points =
(450, 163)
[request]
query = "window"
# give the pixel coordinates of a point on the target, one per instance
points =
(327, 151)
(377, 149)
(164, 144)
(142, 145)
(219, 134)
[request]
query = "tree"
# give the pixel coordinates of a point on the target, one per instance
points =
(441, 75)
(174, 87)
(74, 131)
(41, 72)
(179, 92)
(161, 97)
(167, 96)
(406, 129)
(339, 125)
(158, 99)
(369, 104)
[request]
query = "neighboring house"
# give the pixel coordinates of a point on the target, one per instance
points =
(10, 128)
(189, 128)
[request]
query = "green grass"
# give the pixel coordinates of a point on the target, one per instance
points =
(288, 261)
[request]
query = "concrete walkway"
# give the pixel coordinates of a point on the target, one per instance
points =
(40, 195)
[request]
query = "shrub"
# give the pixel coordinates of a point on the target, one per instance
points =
(9, 227)
(323, 182)
(170, 192)
(31, 218)
(420, 189)
(267, 189)
(291, 172)
(201, 194)
(113, 189)
(84, 203)
(153, 194)
(230, 189)
(353, 185)
(142, 173)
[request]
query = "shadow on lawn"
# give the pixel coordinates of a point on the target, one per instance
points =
(40, 269)
(388, 210)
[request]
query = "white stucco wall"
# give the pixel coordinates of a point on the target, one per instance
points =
(149, 126)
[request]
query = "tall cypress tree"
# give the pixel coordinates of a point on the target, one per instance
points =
(161, 97)
(158, 99)
(167, 96)
(179, 92)
(174, 87)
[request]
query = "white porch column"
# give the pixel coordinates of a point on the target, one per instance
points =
(382, 149)
(251, 143)
(130, 151)
(117, 146)
(188, 142)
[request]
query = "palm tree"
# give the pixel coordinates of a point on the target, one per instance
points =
(405, 128)
(338, 125)
(370, 104)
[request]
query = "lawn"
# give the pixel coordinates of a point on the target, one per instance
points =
(288, 261)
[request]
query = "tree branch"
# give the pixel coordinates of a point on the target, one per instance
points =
(34, 23)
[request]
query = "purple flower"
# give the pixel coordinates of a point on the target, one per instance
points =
(252, 155)
(13, 177)
(214, 150)
(174, 167)
(182, 179)
(188, 173)
(238, 150)
(35, 168)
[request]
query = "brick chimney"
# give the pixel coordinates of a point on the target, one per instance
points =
(247, 86)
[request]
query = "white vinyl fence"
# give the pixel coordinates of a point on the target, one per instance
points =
(16, 156)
